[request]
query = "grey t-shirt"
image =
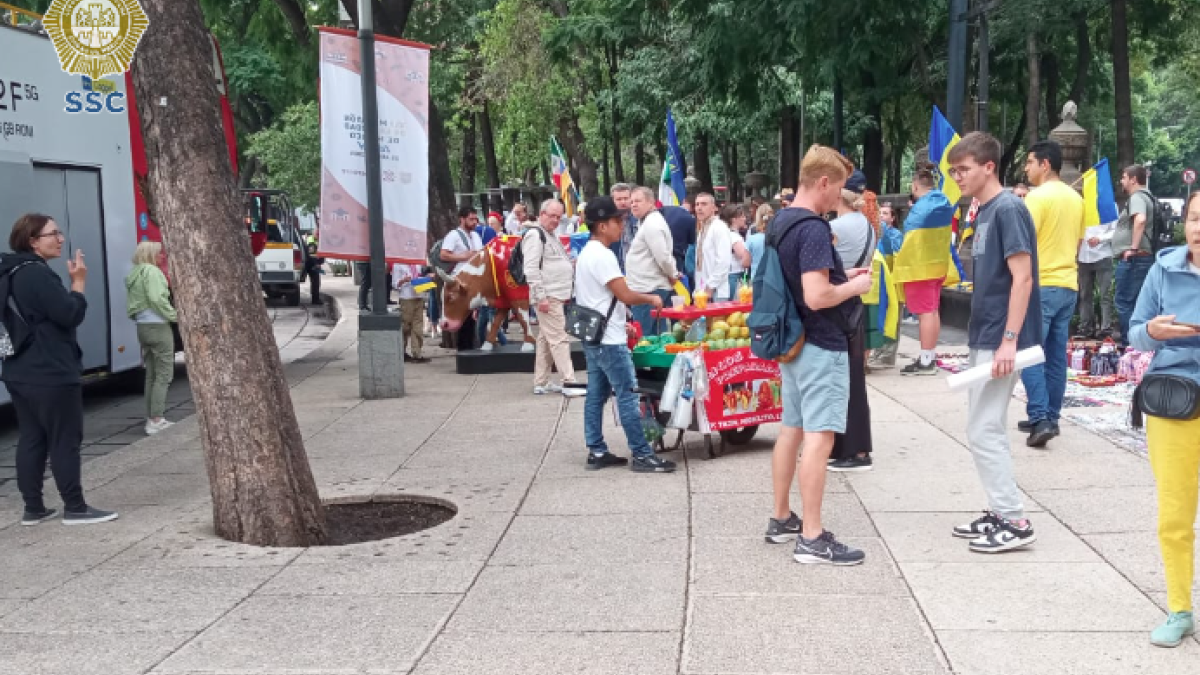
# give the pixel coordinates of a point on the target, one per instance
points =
(855, 236)
(1122, 239)
(1003, 229)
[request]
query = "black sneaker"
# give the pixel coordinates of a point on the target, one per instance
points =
(1006, 537)
(854, 464)
(596, 462)
(978, 527)
(783, 531)
(826, 550)
(915, 368)
(32, 518)
(651, 464)
(88, 517)
(1025, 426)
(1042, 433)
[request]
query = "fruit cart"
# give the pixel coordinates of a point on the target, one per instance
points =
(744, 391)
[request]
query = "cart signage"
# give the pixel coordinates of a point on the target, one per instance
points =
(743, 390)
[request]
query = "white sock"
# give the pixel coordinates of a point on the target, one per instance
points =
(927, 356)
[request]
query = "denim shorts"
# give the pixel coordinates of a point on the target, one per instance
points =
(816, 390)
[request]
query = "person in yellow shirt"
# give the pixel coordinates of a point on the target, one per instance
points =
(1058, 217)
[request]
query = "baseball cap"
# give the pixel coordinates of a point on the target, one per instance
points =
(599, 209)
(857, 182)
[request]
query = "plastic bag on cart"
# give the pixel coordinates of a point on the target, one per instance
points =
(681, 416)
(674, 384)
(651, 429)
(699, 375)
(698, 330)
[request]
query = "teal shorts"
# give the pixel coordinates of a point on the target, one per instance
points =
(816, 390)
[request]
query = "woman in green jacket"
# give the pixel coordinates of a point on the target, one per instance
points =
(149, 304)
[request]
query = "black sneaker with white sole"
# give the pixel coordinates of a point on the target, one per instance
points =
(651, 464)
(978, 527)
(596, 462)
(783, 531)
(1006, 537)
(32, 518)
(90, 516)
(826, 550)
(854, 464)
(1041, 434)
(916, 368)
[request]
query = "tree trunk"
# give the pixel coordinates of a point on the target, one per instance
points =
(1034, 94)
(572, 140)
(442, 211)
(1083, 58)
(1121, 87)
(872, 165)
(1010, 152)
(703, 163)
(735, 178)
(294, 13)
(466, 177)
(263, 491)
(491, 166)
(838, 115)
(729, 170)
(1050, 75)
(895, 166)
(789, 146)
(607, 167)
(639, 163)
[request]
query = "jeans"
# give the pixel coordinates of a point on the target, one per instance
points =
(610, 370)
(1095, 279)
(987, 437)
(644, 314)
(1131, 274)
(486, 315)
(50, 424)
(1046, 383)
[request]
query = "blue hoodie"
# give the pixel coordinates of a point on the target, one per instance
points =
(1171, 288)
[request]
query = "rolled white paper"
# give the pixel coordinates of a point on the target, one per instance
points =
(1026, 358)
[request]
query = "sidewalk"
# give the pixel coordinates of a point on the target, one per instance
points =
(549, 569)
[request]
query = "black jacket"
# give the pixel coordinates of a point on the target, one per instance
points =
(54, 356)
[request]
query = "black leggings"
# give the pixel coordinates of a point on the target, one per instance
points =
(857, 438)
(50, 422)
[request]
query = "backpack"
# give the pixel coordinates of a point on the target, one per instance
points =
(1158, 229)
(435, 253)
(15, 332)
(516, 259)
(776, 331)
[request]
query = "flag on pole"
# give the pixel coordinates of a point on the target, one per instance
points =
(562, 176)
(671, 189)
(1099, 205)
(942, 137)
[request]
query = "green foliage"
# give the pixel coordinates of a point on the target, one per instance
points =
(291, 150)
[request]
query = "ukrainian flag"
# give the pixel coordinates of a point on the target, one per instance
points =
(926, 254)
(1099, 205)
(942, 137)
(883, 294)
(422, 284)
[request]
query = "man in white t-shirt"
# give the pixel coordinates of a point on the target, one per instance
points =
(600, 286)
(714, 250)
(457, 247)
(516, 219)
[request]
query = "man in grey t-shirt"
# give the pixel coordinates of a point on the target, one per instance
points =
(1131, 244)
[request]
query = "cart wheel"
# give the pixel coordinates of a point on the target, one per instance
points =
(739, 436)
(714, 450)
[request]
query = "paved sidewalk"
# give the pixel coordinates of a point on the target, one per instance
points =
(550, 569)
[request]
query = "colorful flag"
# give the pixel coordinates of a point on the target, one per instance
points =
(883, 294)
(1099, 205)
(942, 137)
(562, 176)
(671, 189)
(972, 213)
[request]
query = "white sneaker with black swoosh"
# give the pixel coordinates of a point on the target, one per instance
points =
(1005, 537)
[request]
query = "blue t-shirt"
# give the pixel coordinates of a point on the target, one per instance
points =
(808, 247)
(756, 242)
(1003, 229)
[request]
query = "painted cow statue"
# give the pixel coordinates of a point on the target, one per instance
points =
(485, 280)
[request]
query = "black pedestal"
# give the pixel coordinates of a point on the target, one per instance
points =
(956, 308)
(508, 359)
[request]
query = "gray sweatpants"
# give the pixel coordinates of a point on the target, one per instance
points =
(987, 434)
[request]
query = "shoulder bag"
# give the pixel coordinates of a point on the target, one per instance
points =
(1171, 397)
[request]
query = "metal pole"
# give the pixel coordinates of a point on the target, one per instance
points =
(981, 114)
(366, 41)
(956, 66)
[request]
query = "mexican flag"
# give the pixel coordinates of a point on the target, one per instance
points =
(562, 176)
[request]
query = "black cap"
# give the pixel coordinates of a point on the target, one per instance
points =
(600, 209)
(857, 182)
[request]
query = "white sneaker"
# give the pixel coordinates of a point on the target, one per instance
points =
(573, 390)
(153, 428)
(539, 391)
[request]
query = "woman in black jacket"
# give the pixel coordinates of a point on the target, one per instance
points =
(43, 376)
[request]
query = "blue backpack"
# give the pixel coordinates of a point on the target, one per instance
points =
(776, 331)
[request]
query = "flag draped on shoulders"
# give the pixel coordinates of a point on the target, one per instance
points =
(925, 253)
(562, 176)
(671, 188)
(883, 293)
(1099, 205)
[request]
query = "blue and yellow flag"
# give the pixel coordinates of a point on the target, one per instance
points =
(1099, 205)
(671, 188)
(883, 294)
(925, 253)
(942, 137)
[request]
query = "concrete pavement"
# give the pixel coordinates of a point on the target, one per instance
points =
(550, 569)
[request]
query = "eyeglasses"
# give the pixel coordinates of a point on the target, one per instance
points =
(57, 234)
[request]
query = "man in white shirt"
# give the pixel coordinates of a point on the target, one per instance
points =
(516, 219)
(550, 276)
(600, 286)
(714, 250)
(412, 311)
(650, 263)
(1096, 278)
(458, 247)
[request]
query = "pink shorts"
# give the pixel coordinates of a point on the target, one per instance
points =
(923, 297)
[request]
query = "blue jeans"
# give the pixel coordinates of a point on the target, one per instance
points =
(610, 370)
(486, 314)
(644, 314)
(1046, 383)
(1130, 276)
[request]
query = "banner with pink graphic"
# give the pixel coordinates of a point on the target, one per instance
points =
(402, 81)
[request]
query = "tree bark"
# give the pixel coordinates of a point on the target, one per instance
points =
(1010, 152)
(442, 211)
(466, 177)
(735, 177)
(607, 167)
(1050, 76)
(872, 165)
(1033, 96)
(1083, 59)
(263, 491)
(895, 166)
(1121, 88)
(296, 18)
(703, 163)
(838, 115)
(572, 140)
(639, 163)
(789, 146)
(491, 166)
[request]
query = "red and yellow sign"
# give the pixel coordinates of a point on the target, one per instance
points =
(743, 391)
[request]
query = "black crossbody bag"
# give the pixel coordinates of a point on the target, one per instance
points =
(586, 323)
(1171, 397)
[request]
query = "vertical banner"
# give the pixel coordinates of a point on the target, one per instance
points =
(402, 81)
(743, 390)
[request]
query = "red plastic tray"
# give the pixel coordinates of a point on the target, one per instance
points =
(713, 309)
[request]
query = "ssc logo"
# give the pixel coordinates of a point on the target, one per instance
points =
(95, 37)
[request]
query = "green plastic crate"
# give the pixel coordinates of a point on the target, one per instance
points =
(653, 359)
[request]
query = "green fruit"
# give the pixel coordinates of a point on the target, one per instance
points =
(718, 334)
(744, 342)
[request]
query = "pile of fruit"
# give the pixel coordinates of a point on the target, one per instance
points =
(726, 332)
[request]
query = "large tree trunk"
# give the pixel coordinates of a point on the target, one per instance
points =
(839, 115)
(639, 163)
(466, 178)
(1083, 58)
(1050, 76)
(703, 163)
(572, 140)
(895, 166)
(1034, 95)
(491, 166)
(607, 167)
(263, 492)
(442, 211)
(1121, 86)
(789, 148)
(1010, 152)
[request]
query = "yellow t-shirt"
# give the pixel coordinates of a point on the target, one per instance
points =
(1057, 212)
